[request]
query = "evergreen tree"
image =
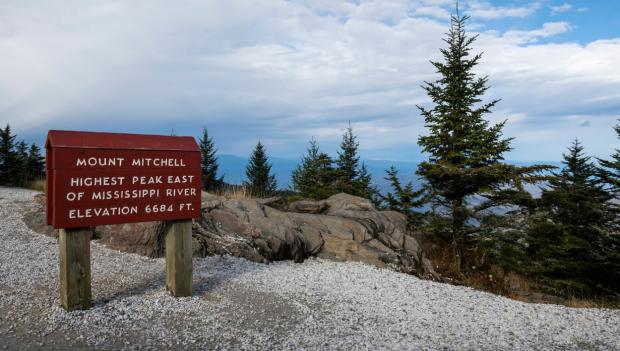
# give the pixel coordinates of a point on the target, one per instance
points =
(606, 257)
(465, 151)
(347, 162)
(35, 163)
(364, 187)
(259, 180)
(608, 249)
(403, 199)
(209, 163)
(20, 175)
(7, 156)
(565, 239)
(305, 174)
(351, 177)
(610, 169)
(314, 177)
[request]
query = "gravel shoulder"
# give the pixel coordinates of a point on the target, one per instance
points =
(238, 304)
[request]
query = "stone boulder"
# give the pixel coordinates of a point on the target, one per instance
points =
(353, 230)
(343, 228)
(145, 238)
(271, 232)
(304, 206)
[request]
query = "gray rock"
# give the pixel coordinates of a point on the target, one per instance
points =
(342, 228)
(145, 238)
(305, 206)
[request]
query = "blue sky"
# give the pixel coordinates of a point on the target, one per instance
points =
(287, 71)
(589, 20)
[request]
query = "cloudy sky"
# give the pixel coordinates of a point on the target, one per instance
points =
(286, 71)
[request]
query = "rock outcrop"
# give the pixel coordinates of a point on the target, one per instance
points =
(34, 216)
(146, 238)
(342, 227)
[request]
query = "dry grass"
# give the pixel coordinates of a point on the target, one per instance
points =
(479, 274)
(38, 185)
(581, 303)
(238, 193)
(444, 262)
(594, 302)
(518, 282)
(482, 276)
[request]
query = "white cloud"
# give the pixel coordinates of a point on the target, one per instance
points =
(549, 29)
(283, 71)
(432, 11)
(565, 7)
(485, 10)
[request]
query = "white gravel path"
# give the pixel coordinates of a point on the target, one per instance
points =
(282, 306)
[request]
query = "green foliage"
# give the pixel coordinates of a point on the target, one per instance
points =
(347, 163)
(403, 199)
(365, 187)
(8, 157)
(606, 257)
(576, 195)
(209, 164)
(610, 169)
(569, 239)
(314, 177)
(351, 176)
(19, 164)
(503, 236)
(319, 177)
(465, 151)
(35, 163)
(260, 182)
(608, 248)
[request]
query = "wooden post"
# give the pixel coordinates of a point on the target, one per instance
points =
(179, 257)
(75, 292)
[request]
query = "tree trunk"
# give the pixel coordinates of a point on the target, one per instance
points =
(458, 240)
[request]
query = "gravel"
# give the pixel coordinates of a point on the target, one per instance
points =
(238, 304)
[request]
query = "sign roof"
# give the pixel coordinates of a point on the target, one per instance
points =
(119, 141)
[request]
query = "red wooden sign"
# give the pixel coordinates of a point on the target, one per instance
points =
(107, 178)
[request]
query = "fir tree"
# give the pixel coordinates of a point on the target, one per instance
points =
(565, 239)
(364, 186)
(8, 157)
(209, 163)
(465, 151)
(260, 182)
(351, 177)
(324, 185)
(347, 162)
(314, 177)
(606, 257)
(403, 199)
(608, 249)
(610, 169)
(304, 175)
(20, 175)
(35, 163)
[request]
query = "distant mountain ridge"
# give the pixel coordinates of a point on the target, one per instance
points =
(232, 167)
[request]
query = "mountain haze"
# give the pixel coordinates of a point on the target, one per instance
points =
(232, 167)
